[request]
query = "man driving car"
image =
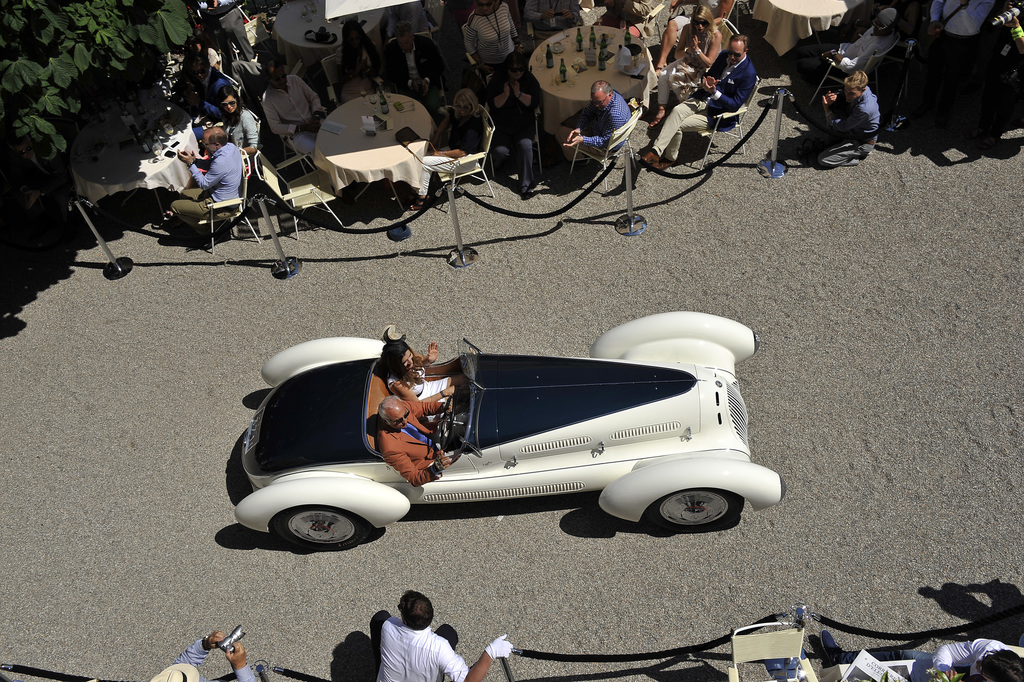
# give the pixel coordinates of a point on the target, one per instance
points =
(405, 441)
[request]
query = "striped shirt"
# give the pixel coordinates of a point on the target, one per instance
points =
(491, 35)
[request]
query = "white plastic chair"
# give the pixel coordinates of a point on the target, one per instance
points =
(312, 189)
(213, 220)
(786, 645)
(613, 149)
(837, 75)
(473, 164)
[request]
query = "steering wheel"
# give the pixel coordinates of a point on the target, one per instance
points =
(443, 432)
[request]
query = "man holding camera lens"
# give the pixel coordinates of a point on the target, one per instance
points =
(406, 650)
(185, 668)
(853, 118)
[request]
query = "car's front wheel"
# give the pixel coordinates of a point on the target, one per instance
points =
(697, 510)
(320, 527)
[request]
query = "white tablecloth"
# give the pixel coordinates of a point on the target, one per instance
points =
(290, 31)
(790, 21)
(562, 100)
(100, 166)
(353, 156)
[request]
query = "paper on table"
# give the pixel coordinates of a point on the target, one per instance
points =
(332, 127)
(369, 124)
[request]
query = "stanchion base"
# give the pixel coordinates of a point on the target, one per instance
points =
(771, 170)
(630, 228)
(897, 123)
(462, 259)
(287, 268)
(123, 267)
(399, 233)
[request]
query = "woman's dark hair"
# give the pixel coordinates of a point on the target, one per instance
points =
(349, 54)
(515, 58)
(392, 356)
(231, 118)
(1002, 666)
(416, 610)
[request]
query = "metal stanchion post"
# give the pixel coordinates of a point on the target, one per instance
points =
(285, 267)
(897, 121)
(507, 668)
(459, 257)
(769, 167)
(116, 268)
(630, 225)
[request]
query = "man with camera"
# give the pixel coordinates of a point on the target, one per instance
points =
(292, 108)
(185, 668)
(406, 650)
(853, 119)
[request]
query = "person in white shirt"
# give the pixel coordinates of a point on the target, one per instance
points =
(406, 650)
(292, 108)
(812, 61)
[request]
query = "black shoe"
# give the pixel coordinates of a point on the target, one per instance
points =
(832, 652)
(941, 121)
(526, 194)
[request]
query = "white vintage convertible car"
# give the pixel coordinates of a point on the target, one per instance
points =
(654, 419)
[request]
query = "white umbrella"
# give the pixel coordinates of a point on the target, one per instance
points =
(341, 8)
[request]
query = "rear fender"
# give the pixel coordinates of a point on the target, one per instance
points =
(377, 503)
(310, 354)
(628, 496)
(680, 337)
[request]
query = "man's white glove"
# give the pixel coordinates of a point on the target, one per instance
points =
(499, 648)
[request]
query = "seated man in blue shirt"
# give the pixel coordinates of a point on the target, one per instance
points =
(724, 89)
(853, 121)
(220, 183)
(606, 113)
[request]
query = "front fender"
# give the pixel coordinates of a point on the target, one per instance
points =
(310, 354)
(628, 496)
(375, 502)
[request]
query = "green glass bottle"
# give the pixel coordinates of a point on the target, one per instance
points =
(601, 62)
(550, 57)
(562, 71)
(579, 40)
(628, 38)
(593, 39)
(604, 41)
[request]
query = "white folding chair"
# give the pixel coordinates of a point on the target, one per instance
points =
(472, 164)
(214, 220)
(779, 650)
(837, 75)
(618, 143)
(312, 189)
(736, 132)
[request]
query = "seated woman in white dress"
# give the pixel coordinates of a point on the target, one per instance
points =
(414, 377)
(696, 50)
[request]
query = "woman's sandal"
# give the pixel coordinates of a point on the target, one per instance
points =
(418, 204)
(657, 119)
(988, 143)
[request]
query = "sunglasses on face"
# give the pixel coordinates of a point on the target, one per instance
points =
(700, 22)
(734, 55)
(229, 103)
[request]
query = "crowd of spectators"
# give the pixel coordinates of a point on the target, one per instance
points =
(700, 75)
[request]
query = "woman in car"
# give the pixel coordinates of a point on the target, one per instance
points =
(414, 377)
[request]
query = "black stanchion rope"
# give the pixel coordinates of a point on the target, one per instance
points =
(714, 164)
(924, 634)
(550, 214)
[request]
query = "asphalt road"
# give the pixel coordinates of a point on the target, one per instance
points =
(887, 392)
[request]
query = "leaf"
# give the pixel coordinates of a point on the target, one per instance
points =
(119, 49)
(175, 27)
(148, 34)
(63, 70)
(83, 58)
(52, 103)
(21, 73)
(43, 126)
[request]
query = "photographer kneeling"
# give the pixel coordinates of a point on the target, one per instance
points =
(853, 122)
(185, 668)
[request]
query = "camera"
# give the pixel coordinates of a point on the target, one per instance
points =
(1009, 14)
(227, 644)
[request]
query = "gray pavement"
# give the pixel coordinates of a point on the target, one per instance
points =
(887, 392)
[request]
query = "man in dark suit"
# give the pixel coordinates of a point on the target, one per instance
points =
(405, 441)
(725, 88)
(198, 67)
(414, 64)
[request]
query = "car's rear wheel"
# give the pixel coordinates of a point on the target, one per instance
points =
(320, 527)
(697, 510)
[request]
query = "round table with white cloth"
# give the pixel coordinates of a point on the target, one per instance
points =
(295, 18)
(562, 100)
(105, 159)
(790, 21)
(353, 156)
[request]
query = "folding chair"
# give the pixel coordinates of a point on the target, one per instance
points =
(473, 164)
(239, 204)
(736, 132)
(312, 189)
(781, 652)
(871, 67)
(330, 65)
(617, 144)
